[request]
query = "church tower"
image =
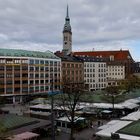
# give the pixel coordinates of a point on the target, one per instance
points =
(67, 35)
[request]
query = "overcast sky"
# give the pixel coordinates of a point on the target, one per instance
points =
(96, 24)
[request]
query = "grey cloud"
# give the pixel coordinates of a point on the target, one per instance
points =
(95, 23)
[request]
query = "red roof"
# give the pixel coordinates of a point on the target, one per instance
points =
(118, 55)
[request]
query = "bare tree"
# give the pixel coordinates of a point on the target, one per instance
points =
(112, 93)
(72, 92)
(131, 83)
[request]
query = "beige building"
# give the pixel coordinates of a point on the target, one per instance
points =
(115, 73)
(24, 73)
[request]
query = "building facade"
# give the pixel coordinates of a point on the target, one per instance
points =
(25, 73)
(114, 74)
(121, 57)
(72, 70)
(94, 73)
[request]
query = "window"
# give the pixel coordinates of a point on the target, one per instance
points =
(24, 75)
(41, 68)
(1, 89)
(9, 82)
(9, 68)
(31, 61)
(25, 82)
(25, 61)
(9, 90)
(17, 68)
(36, 68)
(46, 88)
(17, 74)
(17, 61)
(9, 75)
(1, 67)
(17, 89)
(51, 69)
(63, 65)
(46, 81)
(24, 68)
(46, 69)
(31, 89)
(31, 68)
(25, 90)
(36, 61)
(55, 63)
(41, 61)
(51, 63)
(46, 75)
(65, 38)
(42, 81)
(63, 124)
(31, 75)
(36, 88)
(17, 82)
(36, 81)
(9, 61)
(58, 123)
(68, 125)
(31, 82)
(46, 62)
(42, 88)
(1, 75)
(36, 75)
(2, 61)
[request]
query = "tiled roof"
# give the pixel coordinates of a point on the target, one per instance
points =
(70, 58)
(26, 53)
(91, 59)
(118, 55)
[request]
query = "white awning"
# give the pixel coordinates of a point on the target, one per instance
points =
(132, 116)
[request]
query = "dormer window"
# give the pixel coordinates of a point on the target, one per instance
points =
(111, 57)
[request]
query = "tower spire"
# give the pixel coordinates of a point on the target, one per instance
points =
(67, 15)
(67, 34)
(67, 26)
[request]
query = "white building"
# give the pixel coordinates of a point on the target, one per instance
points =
(115, 73)
(94, 73)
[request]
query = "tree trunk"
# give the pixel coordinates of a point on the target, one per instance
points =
(72, 133)
(72, 126)
(113, 105)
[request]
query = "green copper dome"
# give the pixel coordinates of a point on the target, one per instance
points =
(67, 27)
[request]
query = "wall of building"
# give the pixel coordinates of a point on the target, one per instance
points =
(115, 73)
(24, 76)
(95, 75)
(72, 71)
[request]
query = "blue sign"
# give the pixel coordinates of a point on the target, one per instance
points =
(54, 92)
